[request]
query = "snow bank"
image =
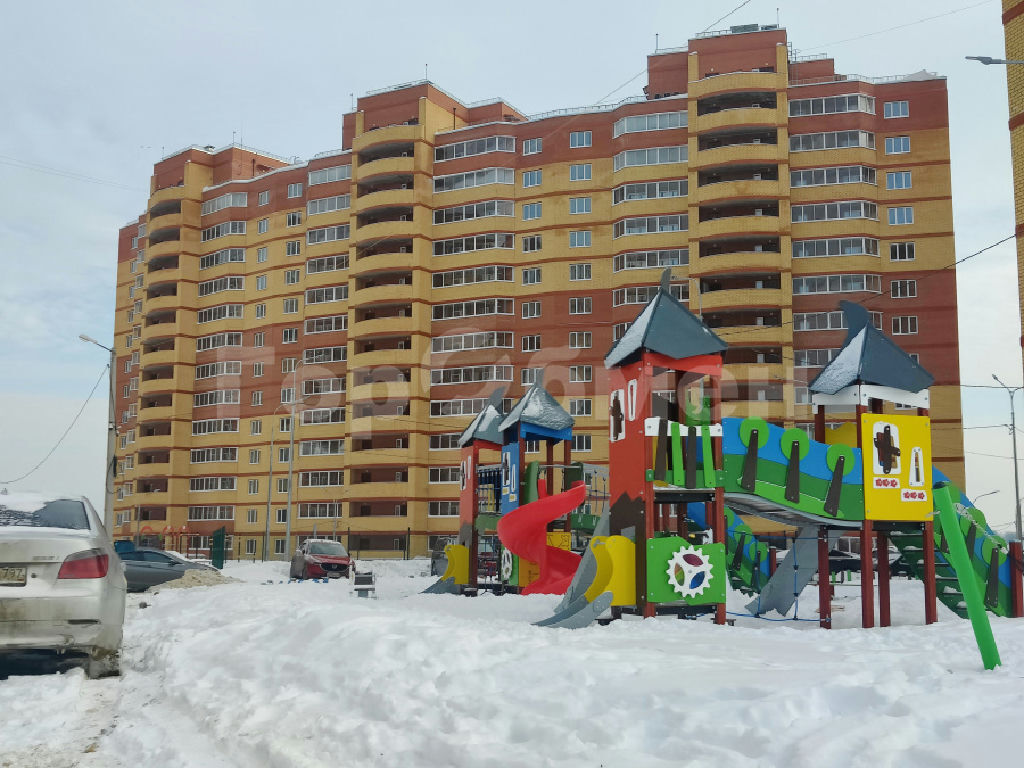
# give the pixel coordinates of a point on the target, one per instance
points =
(196, 577)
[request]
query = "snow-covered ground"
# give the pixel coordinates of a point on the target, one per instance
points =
(259, 672)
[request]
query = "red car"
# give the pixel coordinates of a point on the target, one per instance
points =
(319, 558)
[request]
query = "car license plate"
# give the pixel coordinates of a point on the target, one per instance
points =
(13, 576)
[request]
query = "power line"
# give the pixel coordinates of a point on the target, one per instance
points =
(27, 165)
(730, 13)
(65, 433)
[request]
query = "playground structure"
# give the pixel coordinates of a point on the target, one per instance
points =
(682, 478)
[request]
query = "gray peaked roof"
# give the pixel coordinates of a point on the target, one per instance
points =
(666, 327)
(869, 357)
(539, 408)
(485, 425)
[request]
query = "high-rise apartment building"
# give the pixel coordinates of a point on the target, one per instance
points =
(1013, 29)
(382, 291)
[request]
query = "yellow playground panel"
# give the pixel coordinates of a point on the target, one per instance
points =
(529, 572)
(615, 557)
(897, 460)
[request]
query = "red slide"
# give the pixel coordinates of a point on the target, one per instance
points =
(524, 532)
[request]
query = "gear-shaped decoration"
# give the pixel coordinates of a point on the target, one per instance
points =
(689, 571)
(506, 564)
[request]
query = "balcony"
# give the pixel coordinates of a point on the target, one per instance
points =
(392, 134)
(166, 226)
(384, 149)
(739, 261)
(166, 248)
(398, 358)
(164, 268)
(386, 230)
(742, 297)
(387, 396)
(737, 117)
(385, 196)
(394, 325)
(741, 152)
(737, 225)
(385, 261)
(774, 411)
(167, 194)
(749, 189)
(159, 356)
(387, 166)
(387, 294)
(737, 81)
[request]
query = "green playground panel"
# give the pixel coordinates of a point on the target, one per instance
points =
(659, 590)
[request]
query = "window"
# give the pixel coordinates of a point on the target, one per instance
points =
(288, 364)
(295, 190)
(328, 204)
(291, 276)
(445, 475)
(672, 257)
(531, 309)
(463, 407)
(221, 312)
(898, 180)
(580, 172)
(831, 105)
(215, 397)
(580, 305)
(326, 324)
(255, 427)
(445, 376)
(903, 214)
(660, 121)
(323, 386)
(264, 197)
(472, 179)
(230, 200)
(581, 373)
(580, 340)
(337, 354)
(581, 406)
(896, 109)
(223, 256)
(580, 272)
(254, 455)
(531, 275)
(482, 242)
(579, 205)
(582, 443)
(904, 325)
(202, 484)
(322, 447)
(532, 243)
(290, 306)
(293, 219)
(444, 508)
(321, 479)
(827, 321)
(644, 293)
(903, 289)
(579, 139)
(579, 239)
(202, 456)
(322, 235)
(252, 516)
(531, 343)
(897, 145)
(320, 509)
(212, 512)
(813, 358)
(836, 246)
(531, 211)
(261, 282)
(257, 369)
(282, 485)
(261, 256)
(807, 142)
(257, 339)
(262, 225)
(901, 251)
(653, 156)
(294, 247)
(261, 311)
(837, 284)
(474, 147)
(256, 397)
(485, 274)
(650, 224)
(484, 340)
(230, 283)
(289, 335)
(471, 309)
(223, 368)
(846, 209)
(254, 487)
(327, 264)
(323, 416)
(844, 174)
(481, 210)
(532, 178)
(325, 175)
(217, 340)
(282, 517)
(528, 376)
(223, 230)
(533, 146)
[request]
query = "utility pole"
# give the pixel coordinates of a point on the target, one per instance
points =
(1013, 439)
(109, 475)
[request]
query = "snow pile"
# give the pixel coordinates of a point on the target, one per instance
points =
(290, 675)
(197, 577)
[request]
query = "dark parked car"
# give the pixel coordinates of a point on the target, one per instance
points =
(317, 558)
(145, 567)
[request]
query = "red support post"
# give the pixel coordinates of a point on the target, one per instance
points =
(824, 585)
(867, 576)
(550, 474)
(884, 616)
(819, 424)
(773, 560)
(1017, 578)
(567, 460)
(928, 549)
(718, 529)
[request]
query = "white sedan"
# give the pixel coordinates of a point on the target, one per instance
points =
(62, 585)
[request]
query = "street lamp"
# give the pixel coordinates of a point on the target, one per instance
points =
(295, 399)
(108, 483)
(990, 60)
(981, 496)
(1011, 391)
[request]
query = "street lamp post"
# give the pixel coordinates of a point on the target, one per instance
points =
(990, 60)
(981, 496)
(1011, 391)
(108, 480)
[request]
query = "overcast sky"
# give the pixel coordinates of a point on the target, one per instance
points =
(92, 95)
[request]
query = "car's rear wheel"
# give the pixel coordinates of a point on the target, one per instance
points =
(102, 662)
